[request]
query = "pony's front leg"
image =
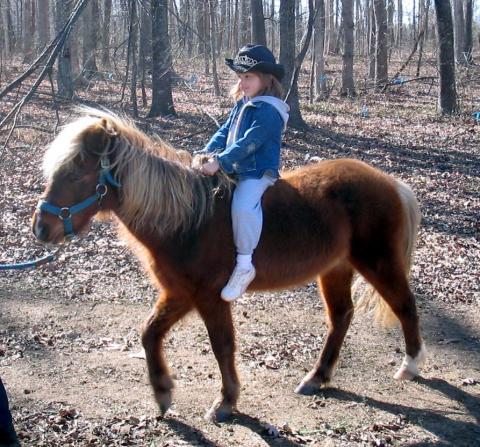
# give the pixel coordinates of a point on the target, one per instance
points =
(167, 311)
(336, 293)
(217, 316)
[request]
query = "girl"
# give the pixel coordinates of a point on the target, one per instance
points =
(247, 147)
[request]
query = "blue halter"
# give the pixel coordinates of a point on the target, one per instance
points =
(66, 213)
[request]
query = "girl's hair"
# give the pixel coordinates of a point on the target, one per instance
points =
(271, 87)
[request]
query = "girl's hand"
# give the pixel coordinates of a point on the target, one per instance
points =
(210, 167)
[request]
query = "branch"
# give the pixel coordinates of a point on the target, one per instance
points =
(48, 67)
(312, 14)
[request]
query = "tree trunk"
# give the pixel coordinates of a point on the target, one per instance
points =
(287, 58)
(399, 23)
(320, 83)
(468, 41)
(90, 22)
(213, 47)
(12, 40)
(43, 21)
(258, 22)
(133, 58)
(273, 31)
(64, 73)
(458, 30)
(162, 100)
(447, 99)
(107, 12)
(381, 47)
(372, 42)
(145, 48)
(348, 86)
(28, 30)
(244, 30)
(424, 20)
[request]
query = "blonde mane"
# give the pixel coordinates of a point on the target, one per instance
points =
(159, 190)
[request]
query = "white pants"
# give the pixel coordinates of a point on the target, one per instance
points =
(247, 216)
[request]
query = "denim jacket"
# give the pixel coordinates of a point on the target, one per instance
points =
(256, 149)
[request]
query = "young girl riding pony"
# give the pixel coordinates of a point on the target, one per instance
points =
(247, 147)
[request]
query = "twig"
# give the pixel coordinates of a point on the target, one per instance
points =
(26, 126)
(48, 66)
(54, 102)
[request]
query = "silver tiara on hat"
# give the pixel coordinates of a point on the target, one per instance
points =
(245, 60)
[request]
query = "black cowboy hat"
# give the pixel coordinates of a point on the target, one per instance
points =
(256, 58)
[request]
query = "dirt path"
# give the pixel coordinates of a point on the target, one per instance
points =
(72, 379)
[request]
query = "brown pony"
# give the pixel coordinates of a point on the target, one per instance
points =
(328, 221)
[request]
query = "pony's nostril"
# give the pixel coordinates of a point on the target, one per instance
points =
(41, 231)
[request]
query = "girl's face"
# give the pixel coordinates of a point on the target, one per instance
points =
(250, 84)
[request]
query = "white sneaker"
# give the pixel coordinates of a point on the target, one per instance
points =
(238, 283)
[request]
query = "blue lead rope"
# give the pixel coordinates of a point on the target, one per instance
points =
(30, 264)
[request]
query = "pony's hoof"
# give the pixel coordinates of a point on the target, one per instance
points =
(404, 374)
(164, 400)
(219, 413)
(309, 387)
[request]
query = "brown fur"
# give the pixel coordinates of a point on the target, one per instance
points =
(326, 221)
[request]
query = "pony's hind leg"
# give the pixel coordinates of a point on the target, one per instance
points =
(336, 291)
(217, 316)
(388, 277)
(167, 311)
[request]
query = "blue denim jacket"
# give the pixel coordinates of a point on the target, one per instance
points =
(256, 150)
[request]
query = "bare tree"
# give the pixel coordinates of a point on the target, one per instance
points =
(213, 46)
(107, 11)
(348, 86)
(320, 84)
(90, 28)
(399, 23)
(381, 47)
(458, 30)
(447, 94)
(258, 22)
(43, 22)
(64, 73)
(162, 99)
(468, 42)
(28, 30)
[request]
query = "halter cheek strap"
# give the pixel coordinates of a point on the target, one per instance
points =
(66, 213)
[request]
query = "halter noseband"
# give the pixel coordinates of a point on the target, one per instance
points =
(66, 213)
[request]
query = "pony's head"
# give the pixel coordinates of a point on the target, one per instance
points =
(160, 193)
(79, 178)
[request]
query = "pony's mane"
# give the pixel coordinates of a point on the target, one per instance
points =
(160, 191)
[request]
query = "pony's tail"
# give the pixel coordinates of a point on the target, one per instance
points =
(369, 300)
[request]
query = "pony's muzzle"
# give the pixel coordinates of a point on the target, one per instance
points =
(40, 228)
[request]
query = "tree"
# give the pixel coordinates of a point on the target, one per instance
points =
(258, 22)
(468, 41)
(447, 93)
(107, 11)
(64, 73)
(90, 28)
(348, 86)
(43, 22)
(320, 85)
(458, 30)
(213, 46)
(381, 43)
(28, 30)
(162, 100)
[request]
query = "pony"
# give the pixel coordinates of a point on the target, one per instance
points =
(328, 221)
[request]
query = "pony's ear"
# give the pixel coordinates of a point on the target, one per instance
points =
(97, 137)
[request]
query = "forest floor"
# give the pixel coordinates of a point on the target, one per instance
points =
(69, 331)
